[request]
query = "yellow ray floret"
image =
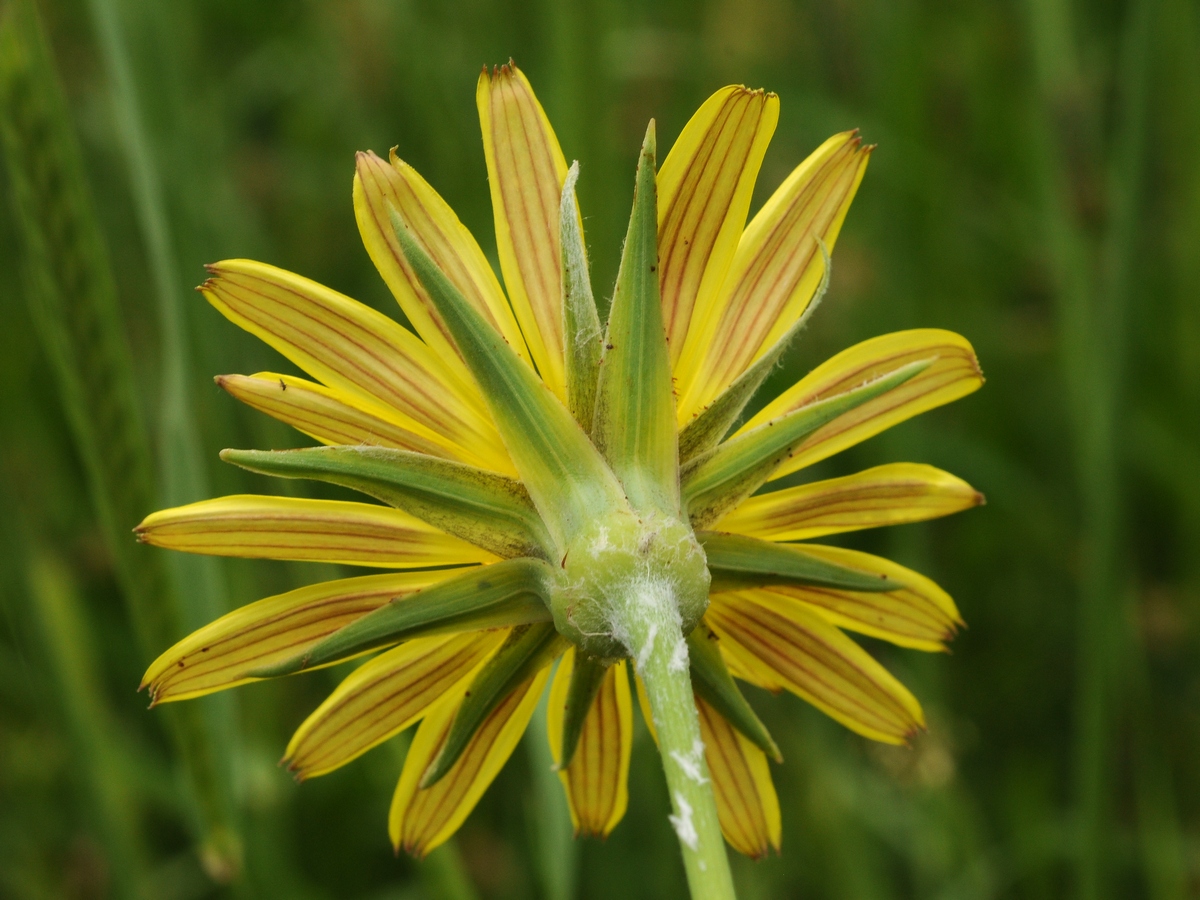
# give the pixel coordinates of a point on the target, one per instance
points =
(384, 696)
(219, 655)
(330, 416)
(704, 190)
(747, 804)
(774, 273)
(420, 820)
(260, 527)
(526, 171)
(349, 346)
(597, 779)
(891, 494)
(378, 184)
(818, 663)
(954, 373)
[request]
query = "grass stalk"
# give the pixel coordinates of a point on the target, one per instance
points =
(72, 296)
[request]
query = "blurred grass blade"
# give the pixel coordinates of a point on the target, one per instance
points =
(77, 677)
(72, 298)
(635, 403)
(555, 850)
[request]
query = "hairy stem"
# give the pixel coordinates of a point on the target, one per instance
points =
(650, 627)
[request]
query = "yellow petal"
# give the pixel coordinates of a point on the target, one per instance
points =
(597, 780)
(526, 170)
(885, 495)
(353, 348)
(263, 527)
(420, 820)
(747, 805)
(774, 273)
(920, 615)
(704, 189)
(332, 416)
(818, 663)
(954, 373)
(271, 630)
(384, 696)
(449, 244)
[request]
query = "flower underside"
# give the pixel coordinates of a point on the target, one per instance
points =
(561, 499)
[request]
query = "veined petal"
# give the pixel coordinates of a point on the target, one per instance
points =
(919, 614)
(704, 190)
(220, 654)
(349, 346)
(420, 820)
(526, 171)
(818, 663)
(596, 780)
(384, 696)
(263, 527)
(953, 373)
(331, 416)
(747, 805)
(447, 241)
(892, 494)
(774, 272)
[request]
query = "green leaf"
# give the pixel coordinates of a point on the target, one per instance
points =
(737, 561)
(487, 509)
(706, 430)
(565, 475)
(635, 404)
(712, 681)
(581, 322)
(526, 651)
(502, 595)
(586, 678)
(717, 481)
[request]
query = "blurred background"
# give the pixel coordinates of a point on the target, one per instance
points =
(1035, 188)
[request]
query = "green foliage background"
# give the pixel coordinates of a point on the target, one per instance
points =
(1035, 188)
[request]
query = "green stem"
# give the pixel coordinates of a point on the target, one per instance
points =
(649, 625)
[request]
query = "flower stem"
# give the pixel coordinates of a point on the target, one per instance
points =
(651, 629)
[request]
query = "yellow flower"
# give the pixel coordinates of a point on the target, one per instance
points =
(512, 517)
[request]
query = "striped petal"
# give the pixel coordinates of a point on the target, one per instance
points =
(954, 373)
(596, 781)
(526, 171)
(329, 415)
(353, 348)
(885, 495)
(420, 820)
(919, 615)
(384, 696)
(704, 190)
(262, 527)
(747, 805)
(220, 654)
(774, 272)
(818, 663)
(378, 184)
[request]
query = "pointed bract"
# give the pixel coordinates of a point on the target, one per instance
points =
(635, 407)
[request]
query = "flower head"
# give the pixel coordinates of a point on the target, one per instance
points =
(551, 490)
